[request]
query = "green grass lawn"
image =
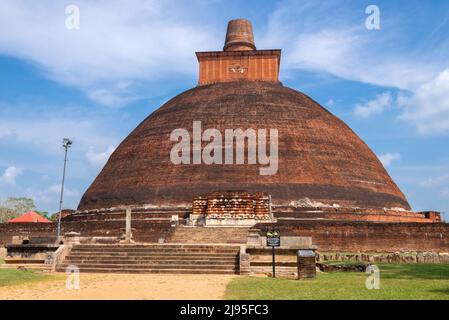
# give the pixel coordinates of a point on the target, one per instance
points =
(397, 281)
(13, 276)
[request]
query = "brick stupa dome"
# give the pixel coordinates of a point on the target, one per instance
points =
(320, 157)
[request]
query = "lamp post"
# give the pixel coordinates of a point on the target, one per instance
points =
(66, 144)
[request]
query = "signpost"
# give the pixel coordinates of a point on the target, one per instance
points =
(273, 241)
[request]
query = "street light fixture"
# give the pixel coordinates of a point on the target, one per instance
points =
(66, 144)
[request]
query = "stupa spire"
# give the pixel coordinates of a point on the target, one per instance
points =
(239, 60)
(239, 36)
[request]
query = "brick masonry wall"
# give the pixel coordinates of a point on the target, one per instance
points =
(340, 236)
(358, 236)
(238, 204)
(306, 268)
(261, 65)
(143, 231)
(8, 230)
(258, 105)
(356, 214)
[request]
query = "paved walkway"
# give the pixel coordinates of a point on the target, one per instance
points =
(123, 286)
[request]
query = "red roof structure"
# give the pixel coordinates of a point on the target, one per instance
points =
(30, 216)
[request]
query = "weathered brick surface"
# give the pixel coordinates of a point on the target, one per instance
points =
(239, 59)
(8, 230)
(355, 236)
(343, 236)
(239, 36)
(320, 157)
(217, 66)
(232, 203)
(306, 267)
(139, 213)
(357, 214)
(143, 231)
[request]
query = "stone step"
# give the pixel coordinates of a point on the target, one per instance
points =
(157, 246)
(153, 266)
(155, 258)
(213, 239)
(199, 240)
(192, 251)
(219, 235)
(279, 270)
(166, 271)
(270, 264)
(151, 262)
(23, 261)
(152, 258)
(156, 254)
(183, 232)
(158, 249)
(209, 233)
(30, 266)
(194, 240)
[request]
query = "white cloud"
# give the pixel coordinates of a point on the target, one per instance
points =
(445, 193)
(378, 105)
(427, 108)
(98, 159)
(119, 49)
(55, 189)
(10, 175)
(39, 130)
(110, 98)
(50, 195)
(388, 158)
(328, 37)
(436, 181)
(323, 50)
(144, 41)
(47, 133)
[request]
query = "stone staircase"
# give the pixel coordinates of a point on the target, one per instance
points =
(25, 263)
(209, 235)
(154, 258)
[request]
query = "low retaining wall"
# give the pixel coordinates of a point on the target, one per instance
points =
(8, 230)
(331, 236)
(356, 214)
(362, 236)
(396, 257)
(143, 231)
(260, 261)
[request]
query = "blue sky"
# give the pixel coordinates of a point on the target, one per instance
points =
(97, 83)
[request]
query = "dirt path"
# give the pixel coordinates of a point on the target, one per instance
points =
(123, 286)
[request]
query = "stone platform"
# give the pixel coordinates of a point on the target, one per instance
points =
(196, 235)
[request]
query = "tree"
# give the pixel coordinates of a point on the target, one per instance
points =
(50, 216)
(44, 214)
(14, 207)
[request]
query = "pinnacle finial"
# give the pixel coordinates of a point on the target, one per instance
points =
(239, 36)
